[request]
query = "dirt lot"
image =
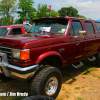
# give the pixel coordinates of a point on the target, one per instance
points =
(78, 84)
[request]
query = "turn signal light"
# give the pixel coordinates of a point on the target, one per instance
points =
(24, 55)
(67, 16)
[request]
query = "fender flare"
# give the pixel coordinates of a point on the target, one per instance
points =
(47, 54)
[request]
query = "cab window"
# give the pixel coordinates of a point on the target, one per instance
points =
(75, 28)
(15, 31)
(98, 25)
(89, 28)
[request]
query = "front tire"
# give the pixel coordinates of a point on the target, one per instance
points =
(47, 82)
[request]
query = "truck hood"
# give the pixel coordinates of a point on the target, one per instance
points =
(18, 41)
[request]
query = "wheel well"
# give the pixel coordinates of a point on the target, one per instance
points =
(54, 61)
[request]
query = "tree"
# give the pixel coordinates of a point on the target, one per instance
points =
(63, 11)
(68, 11)
(7, 10)
(26, 10)
(42, 11)
(53, 13)
(81, 16)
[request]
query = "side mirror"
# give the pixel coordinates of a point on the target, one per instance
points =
(82, 33)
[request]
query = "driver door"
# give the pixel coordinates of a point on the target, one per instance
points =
(78, 41)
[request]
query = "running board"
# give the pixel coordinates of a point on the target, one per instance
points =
(79, 65)
(92, 59)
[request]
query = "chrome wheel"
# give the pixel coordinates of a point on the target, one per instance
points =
(47, 82)
(51, 86)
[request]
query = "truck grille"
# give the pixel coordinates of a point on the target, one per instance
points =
(7, 51)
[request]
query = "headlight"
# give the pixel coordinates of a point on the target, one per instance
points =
(21, 54)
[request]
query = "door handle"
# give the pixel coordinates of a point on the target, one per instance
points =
(85, 38)
(95, 36)
(80, 41)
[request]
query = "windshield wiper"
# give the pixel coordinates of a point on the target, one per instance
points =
(53, 33)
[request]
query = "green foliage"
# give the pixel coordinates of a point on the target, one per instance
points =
(53, 13)
(7, 10)
(79, 98)
(63, 11)
(68, 11)
(42, 11)
(27, 11)
(89, 71)
(81, 16)
(77, 88)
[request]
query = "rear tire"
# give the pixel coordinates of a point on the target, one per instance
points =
(47, 82)
(97, 59)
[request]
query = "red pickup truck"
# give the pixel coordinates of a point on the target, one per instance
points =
(14, 29)
(51, 44)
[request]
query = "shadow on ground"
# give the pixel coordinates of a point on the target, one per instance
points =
(69, 72)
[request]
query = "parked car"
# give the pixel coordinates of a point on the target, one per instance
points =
(51, 44)
(12, 30)
(26, 26)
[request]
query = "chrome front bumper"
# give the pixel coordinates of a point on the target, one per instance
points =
(6, 66)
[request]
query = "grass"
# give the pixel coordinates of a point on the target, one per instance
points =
(92, 69)
(59, 99)
(79, 99)
(72, 74)
(67, 73)
(84, 86)
(74, 78)
(77, 88)
(67, 96)
(95, 75)
(88, 71)
(83, 77)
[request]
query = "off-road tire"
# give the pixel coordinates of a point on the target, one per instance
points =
(97, 62)
(39, 83)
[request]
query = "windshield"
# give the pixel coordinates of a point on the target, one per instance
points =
(4, 31)
(56, 26)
